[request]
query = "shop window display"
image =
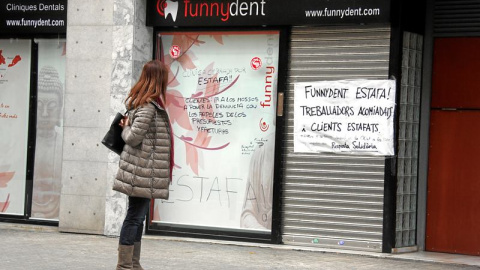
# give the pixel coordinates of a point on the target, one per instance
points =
(221, 98)
(48, 151)
(15, 55)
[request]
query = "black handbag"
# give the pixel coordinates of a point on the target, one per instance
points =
(113, 139)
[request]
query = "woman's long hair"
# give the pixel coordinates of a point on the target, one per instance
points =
(151, 85)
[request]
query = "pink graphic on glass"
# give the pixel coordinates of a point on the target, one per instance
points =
(5, 177)
(196, 138)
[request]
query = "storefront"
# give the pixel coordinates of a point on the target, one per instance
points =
(318, 123)
(259, 161)
(32, 79)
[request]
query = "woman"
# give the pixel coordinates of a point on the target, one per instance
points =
(146, 160)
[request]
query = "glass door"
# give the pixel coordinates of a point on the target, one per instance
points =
(31, 71)
(221, 99)
(15, 59)
(47, 177)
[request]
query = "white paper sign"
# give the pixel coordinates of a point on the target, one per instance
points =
(349, 116)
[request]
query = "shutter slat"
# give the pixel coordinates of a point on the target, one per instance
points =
(456, 18)
(329, 198)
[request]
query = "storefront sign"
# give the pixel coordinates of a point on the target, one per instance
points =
(32, 16)
(14, 106)
(197, 13)
(221, 99)
(352, 117)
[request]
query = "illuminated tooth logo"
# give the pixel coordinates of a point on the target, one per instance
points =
(165, 7)
(161, 5)
(263, 125)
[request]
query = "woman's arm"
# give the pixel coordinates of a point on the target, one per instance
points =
(133, 133)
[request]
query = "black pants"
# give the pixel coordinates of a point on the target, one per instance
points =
(132, 227)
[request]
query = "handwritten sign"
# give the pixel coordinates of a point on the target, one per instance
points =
(349, 116)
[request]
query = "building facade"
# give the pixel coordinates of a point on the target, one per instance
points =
(338, 125)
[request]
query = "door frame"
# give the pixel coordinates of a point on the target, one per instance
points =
(424, 139)
(275, 236)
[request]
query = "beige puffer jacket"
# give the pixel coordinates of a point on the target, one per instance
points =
(144, 168)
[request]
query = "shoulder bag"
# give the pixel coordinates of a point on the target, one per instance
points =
(113, 139)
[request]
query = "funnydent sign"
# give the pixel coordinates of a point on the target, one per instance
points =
(29, 16)
(264, 12)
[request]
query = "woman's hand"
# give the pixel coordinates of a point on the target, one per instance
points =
(124, 122)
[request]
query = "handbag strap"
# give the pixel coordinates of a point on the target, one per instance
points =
(152, 153)
(157, 105)
(161, 109)
(169, 132)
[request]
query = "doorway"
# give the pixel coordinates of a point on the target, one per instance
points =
(453, 213)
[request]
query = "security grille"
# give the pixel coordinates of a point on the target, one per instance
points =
(457, 18)
(332, 200)
(408, 134)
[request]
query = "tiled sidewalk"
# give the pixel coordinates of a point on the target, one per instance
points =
(34, 247)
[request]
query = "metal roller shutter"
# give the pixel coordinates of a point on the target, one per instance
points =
(334, 200)
(457, 18)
